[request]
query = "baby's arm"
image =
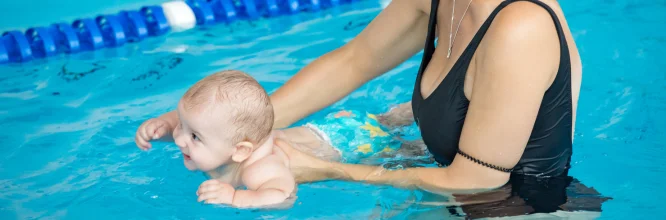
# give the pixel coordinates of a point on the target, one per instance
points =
(159, 128)
(273, 189)
(269, 182)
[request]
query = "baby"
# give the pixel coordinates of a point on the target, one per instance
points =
(223, 126)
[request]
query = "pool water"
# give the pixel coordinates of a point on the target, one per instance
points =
(68, 122)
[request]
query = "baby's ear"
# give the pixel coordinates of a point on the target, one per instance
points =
(242, 152)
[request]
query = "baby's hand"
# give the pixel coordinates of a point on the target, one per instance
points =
(216, 192)
(151, 129)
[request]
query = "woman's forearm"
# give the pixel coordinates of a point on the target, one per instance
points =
(433, 179)
(464, 174)
(404, 178)
(320, 84)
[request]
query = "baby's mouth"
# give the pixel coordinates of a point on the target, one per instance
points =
(187, 157)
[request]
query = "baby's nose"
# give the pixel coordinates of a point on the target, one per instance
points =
(180, 142)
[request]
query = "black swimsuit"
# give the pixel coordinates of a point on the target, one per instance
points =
(540, 182)
(441, 116)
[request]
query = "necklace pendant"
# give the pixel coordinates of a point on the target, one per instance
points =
(449, 53)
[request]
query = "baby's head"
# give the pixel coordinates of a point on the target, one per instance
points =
(224, 117)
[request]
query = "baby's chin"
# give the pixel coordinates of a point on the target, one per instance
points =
(190, 165)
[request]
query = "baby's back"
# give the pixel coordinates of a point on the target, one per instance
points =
(304, 140)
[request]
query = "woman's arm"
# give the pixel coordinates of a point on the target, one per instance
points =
(307, 168)
(517, 64)
(396, 34)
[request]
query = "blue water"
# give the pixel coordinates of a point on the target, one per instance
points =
(68, 122)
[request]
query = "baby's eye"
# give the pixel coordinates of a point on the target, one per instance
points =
(194, 137)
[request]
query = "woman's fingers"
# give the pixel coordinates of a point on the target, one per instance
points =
(293, 153)
(283, 145)
(303, 166)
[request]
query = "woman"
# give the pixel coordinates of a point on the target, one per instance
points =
(495, 101)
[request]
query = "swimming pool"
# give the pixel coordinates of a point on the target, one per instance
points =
(68, 122)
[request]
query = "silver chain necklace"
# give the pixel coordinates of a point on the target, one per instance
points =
(452, 37)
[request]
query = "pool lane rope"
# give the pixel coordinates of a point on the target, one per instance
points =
(114, 30)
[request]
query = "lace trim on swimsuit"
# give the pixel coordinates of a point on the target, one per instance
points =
(491, 166)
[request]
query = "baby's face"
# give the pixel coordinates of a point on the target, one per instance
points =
(199, 137)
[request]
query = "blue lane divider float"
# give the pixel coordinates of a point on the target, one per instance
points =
(4, 56)
(133, 25)
(155, 20)
(66, 39)
(249, 9)
(202, 11)
(41, 42)
(114, 30)
(291, 6)
(113, 33)
(312, 4)
(224, 10)
(17, 46)
(90, 37)
(269, 7)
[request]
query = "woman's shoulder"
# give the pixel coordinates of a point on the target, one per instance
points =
(521, 19)
(521, 41)
(420, 5)
(524, 31)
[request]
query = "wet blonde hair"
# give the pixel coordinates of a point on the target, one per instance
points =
(250, 109)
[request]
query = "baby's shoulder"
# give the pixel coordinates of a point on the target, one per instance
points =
(266, 169)
(268, 164)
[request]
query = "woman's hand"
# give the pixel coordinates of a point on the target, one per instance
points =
(304, 167)
(400, 115)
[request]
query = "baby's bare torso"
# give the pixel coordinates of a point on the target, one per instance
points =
(303, 139)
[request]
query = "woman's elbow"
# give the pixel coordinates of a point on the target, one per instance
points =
(453, 179)
(475, 176)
